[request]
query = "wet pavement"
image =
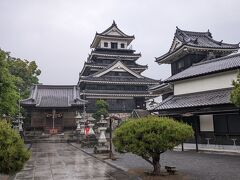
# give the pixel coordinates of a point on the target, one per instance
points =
(57, 161)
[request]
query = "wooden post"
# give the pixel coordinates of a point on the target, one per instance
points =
(53, 117)
(196, 135)
(110, 153)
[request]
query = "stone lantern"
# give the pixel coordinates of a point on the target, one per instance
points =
(78, 117)
(91, 121)
(20, 125)
(80, 125)
(102, 129)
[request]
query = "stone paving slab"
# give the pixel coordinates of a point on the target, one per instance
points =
(56, 161)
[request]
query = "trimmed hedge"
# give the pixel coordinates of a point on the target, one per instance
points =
(13, 153)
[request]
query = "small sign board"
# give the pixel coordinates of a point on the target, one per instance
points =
(53, 131)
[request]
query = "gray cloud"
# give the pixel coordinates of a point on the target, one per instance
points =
(57, 33)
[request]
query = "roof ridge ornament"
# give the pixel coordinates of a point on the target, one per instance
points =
(220, 42)
(209, 33)
(114, 23)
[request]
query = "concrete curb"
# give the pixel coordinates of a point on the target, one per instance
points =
(218, 151)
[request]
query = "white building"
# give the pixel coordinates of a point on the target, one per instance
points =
(198, 92)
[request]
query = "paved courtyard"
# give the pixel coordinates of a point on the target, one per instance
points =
(59, 161)
(197, 166)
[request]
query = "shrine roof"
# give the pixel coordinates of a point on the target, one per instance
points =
(43, 96)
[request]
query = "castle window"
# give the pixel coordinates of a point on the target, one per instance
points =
(113, 45)
(105, 44)
(122, 45)
(180, 64)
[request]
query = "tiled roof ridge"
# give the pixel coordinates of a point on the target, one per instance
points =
(221, 42)
(188, 94)
(54, 86)
(113, 25)
(216, 59)
(115, 52)
(207, 33)
(104, 65)
(115, 36)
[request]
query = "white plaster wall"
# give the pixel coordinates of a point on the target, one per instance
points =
(114, 33)
(206, 122)
(209, 82)
(109, 43)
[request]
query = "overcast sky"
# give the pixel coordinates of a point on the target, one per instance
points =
(57, 33)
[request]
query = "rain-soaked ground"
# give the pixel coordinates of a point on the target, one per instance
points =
(57, 161)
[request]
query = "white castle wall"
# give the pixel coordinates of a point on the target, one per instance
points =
(209, 82)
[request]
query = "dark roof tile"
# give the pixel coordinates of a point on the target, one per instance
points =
(195, 40)
(54, 96)
(206, 98)
(208, 67)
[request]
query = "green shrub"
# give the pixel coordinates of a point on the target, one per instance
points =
(102, 109)
(149, 137)
(13, 153)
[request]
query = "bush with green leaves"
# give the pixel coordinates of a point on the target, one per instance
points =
(13, 153)
(150, 136)
(102, 109)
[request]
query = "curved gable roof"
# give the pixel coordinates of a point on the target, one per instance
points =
(208, 67)
(113, 32)
(195, 40)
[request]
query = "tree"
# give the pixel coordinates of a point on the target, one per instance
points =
(13, 153)
(150, 136)
(8, 91)
(102, 109)
(235, 94)
(15, 74)
(26, 73)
